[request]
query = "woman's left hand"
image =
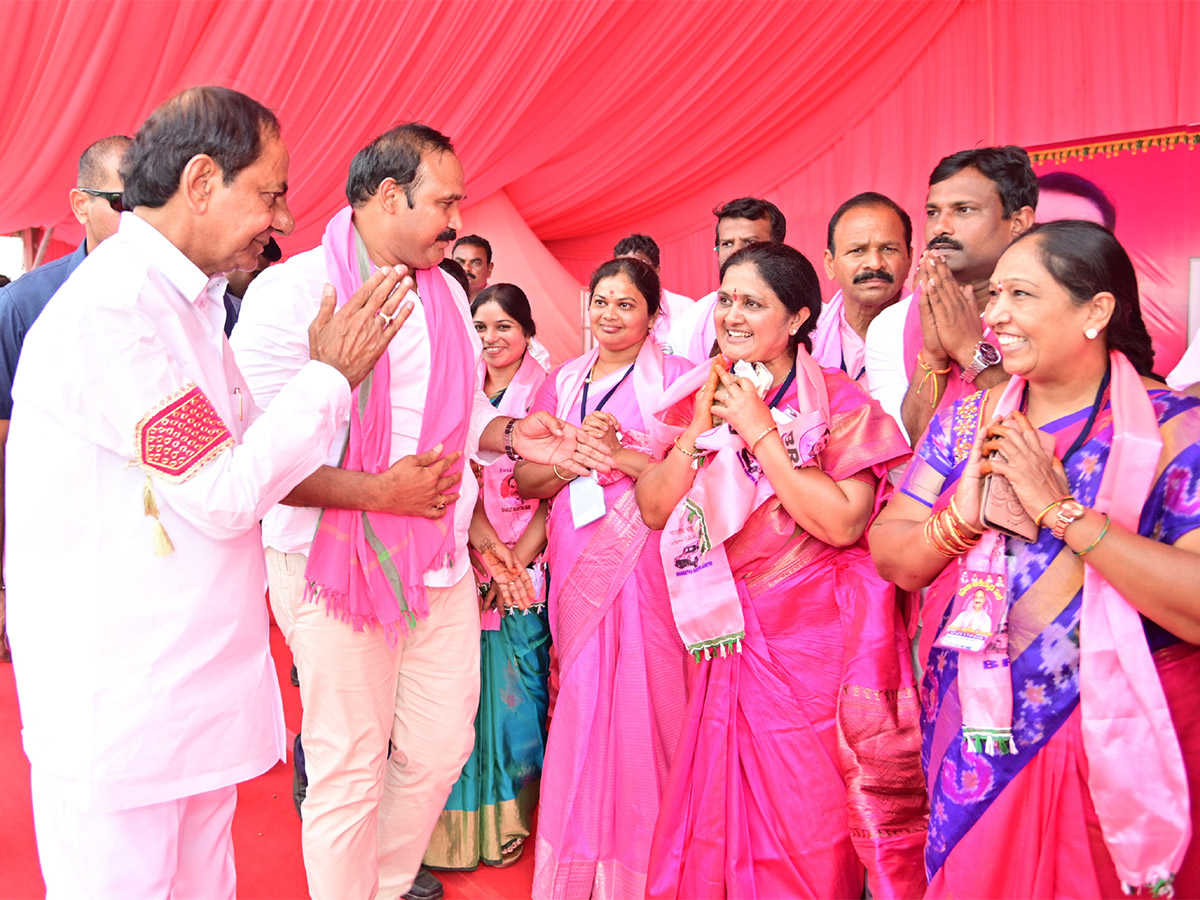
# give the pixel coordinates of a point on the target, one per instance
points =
(1037, 477)
(605, 427)
(510, 579)
(738, 403)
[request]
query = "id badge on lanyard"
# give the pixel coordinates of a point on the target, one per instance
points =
(587, 499)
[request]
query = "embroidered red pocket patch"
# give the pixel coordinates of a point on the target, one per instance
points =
(181, 435)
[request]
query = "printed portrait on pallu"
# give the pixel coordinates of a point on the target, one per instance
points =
(977, 798)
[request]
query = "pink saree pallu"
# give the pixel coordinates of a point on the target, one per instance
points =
(798, 768)
(622, 692)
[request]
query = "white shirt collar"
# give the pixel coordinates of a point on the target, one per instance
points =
(183, 274)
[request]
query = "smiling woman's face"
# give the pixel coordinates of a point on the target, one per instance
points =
(752, 322)
(618, 313)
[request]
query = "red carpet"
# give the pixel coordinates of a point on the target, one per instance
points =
(266, 829)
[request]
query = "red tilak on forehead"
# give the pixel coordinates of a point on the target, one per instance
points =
(735, 294)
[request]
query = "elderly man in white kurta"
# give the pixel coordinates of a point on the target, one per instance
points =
(387, 643)
(138, 469)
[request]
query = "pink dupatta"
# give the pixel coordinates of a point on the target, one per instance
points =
(727, 489)
(369, 568)
(1126, 724)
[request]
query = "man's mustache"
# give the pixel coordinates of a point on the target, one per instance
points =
(448, 235)
(943, 241)
(873, 274)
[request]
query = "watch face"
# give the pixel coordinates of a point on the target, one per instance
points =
(988, 354)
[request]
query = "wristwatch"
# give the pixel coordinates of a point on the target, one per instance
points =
(985, 355)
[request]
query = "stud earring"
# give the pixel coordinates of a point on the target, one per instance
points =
(1091, 334)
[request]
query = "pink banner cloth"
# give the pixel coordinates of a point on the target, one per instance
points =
(621, 699)
(369, 568)
(799, 762)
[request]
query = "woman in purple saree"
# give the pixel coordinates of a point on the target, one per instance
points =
(622, 673)
(798, 769)
(1060, 757)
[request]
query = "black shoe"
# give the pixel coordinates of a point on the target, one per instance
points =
(299, 776)
(295, 676)
(425, 887)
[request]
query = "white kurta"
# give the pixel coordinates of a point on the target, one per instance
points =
(271, 344)
(692, 333)
(143, 678)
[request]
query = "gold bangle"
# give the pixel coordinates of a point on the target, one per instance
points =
(932, 541)
(694, 453)
(1038, 519)
(954, 536)
(754, 443)
(560, 475)
(960, 520)
(1092, 546)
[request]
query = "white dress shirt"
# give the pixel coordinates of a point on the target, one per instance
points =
(671, 307)
(143, 678)
(884, 355)
(692, 333)
(271, 346)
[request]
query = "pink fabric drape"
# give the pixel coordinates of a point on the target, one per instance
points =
(844, 97)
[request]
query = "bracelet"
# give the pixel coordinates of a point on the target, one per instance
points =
(695, 455)
(944, 527)
(561, 476)
(754, 443)
(934, 542)
(930, 371)
(960, 522)
(508, 440)
(1038, 520)
(1092, 546)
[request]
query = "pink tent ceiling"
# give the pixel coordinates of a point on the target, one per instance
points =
(579, 121)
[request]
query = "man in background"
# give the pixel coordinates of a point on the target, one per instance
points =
(97, 203)
(747, 220)
(868, 253)
(931, 350)
(474, 254)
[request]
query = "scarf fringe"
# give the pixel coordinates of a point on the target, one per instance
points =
(723, 644)
(1160, 887)
(990, 741)
(338, 604)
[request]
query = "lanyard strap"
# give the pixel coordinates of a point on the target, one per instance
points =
(1082, 437)
(599, 406)
(787, 383)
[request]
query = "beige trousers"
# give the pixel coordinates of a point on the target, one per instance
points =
(367, 818)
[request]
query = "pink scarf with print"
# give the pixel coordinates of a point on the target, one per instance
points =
(369, 568)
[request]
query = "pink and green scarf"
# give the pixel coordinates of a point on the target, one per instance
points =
(369, 568)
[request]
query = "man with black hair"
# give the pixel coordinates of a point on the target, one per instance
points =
(932, 350)
(868, 253)
(96, 203)
(378, 604)
(474, 254)
(140, 469)
(671, 305)
(747, 220)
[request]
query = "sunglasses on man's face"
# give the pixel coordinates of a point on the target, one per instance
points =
(113, 198)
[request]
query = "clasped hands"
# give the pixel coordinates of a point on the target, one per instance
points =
(950, 323)
(510, 584)
(1037, 477)
(542, 438)
(725, 397)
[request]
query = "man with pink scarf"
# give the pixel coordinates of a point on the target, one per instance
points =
(868, 253)
(928, 352)
(376, 599)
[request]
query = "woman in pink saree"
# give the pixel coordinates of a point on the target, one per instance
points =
(622, 674)
(1062, 755)
(798, 768)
